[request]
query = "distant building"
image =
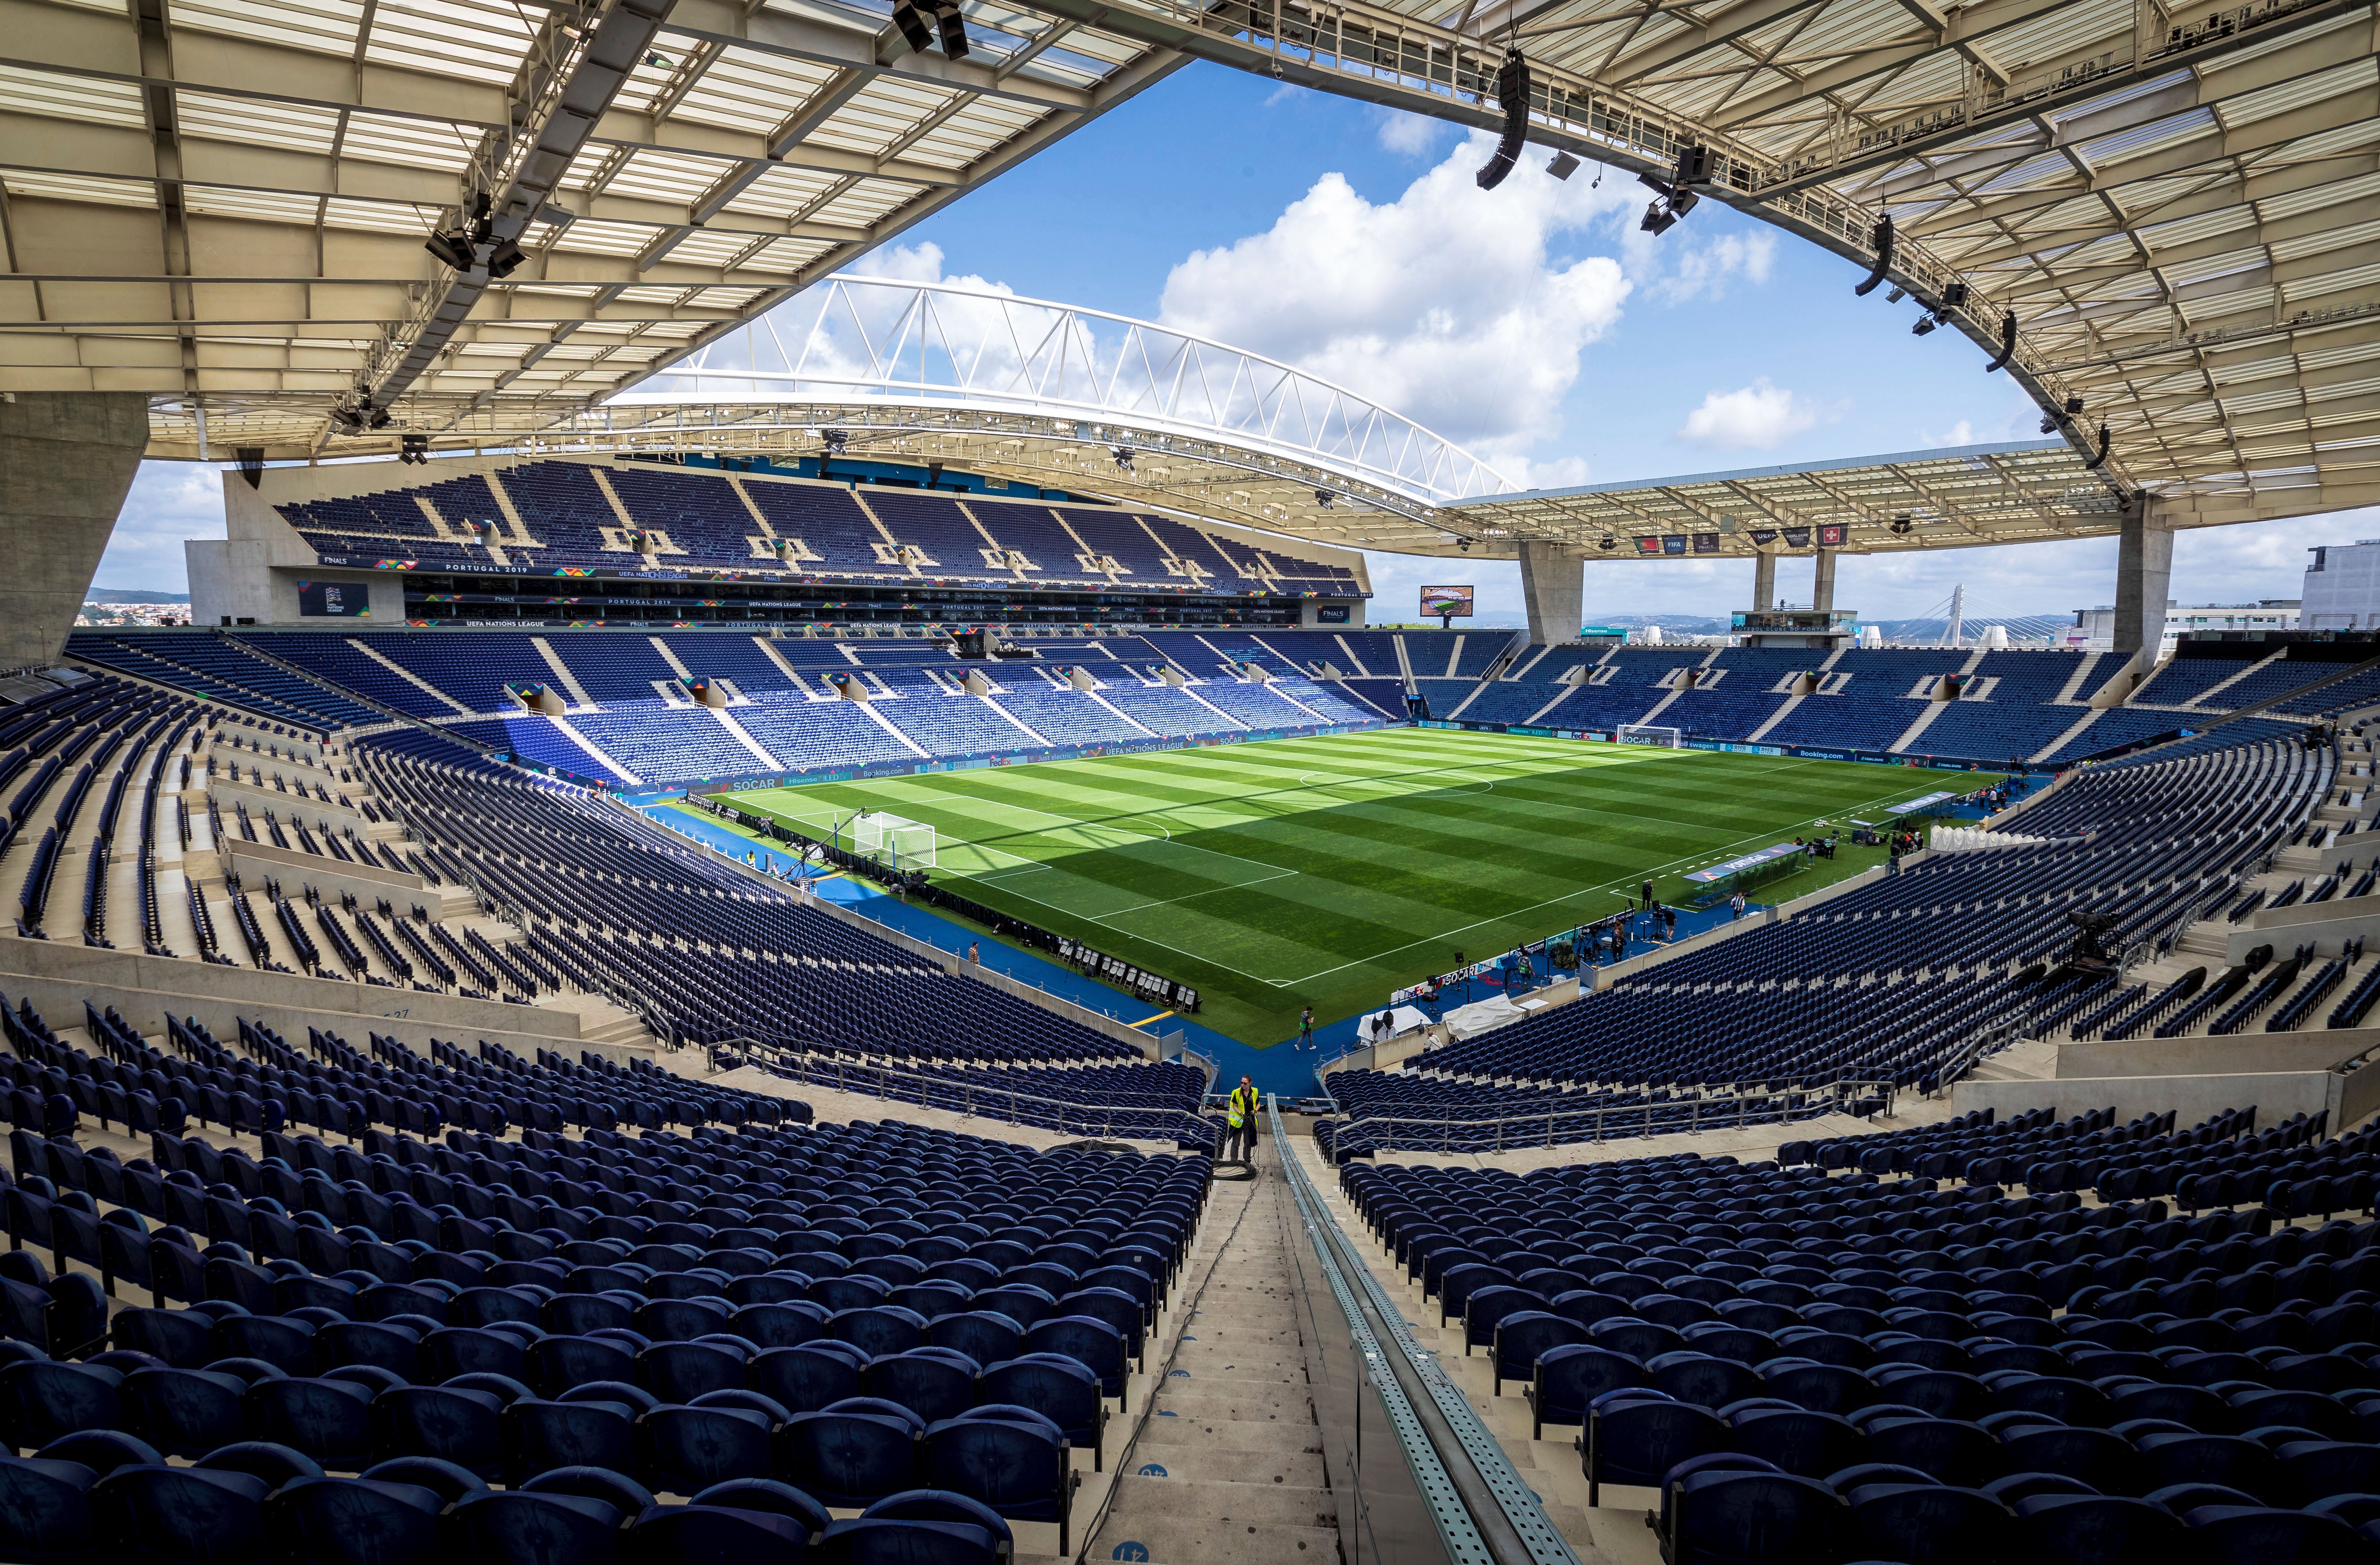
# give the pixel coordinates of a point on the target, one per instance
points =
(2342, 587)
(2094, 630)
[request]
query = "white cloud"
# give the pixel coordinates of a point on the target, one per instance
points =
(918, 263)
(1961, 434)
(1409, 135)
(1445, 304)
(169, 502)
(1759, 416)
(1704, 271)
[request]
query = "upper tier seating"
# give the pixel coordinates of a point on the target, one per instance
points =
(701, 518)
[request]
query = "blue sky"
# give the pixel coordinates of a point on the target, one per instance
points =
(1532, 323)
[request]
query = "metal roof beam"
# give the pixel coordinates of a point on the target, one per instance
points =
(561, 115)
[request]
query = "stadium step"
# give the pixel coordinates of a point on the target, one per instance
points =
(1227, 1469)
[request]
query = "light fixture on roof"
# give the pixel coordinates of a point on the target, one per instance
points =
(1123, 455)
(1925, 324)
(1896, 295)
(413, 450)
(834, 440)
(1697, 165)
(1609, 542)
(1903, 524)
(657, 60)
(1323, 498)
(910, 16)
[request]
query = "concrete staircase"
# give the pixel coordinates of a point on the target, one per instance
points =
(1227, 1469)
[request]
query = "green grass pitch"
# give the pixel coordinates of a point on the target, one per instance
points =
(1331, 871)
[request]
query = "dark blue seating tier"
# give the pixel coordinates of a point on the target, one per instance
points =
(1813, 1365)
(510, 1347)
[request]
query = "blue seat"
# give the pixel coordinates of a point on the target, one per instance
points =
(2069, 1529)
(329, 1420)
(449, 1483)
(184, 1411)
(686, 1449)
(1093, 1343)
(39, 1400)
(852, 1453)
(1726, 1517)
(679, 1372)
(46, 1513)
(1799, 1442)
(2235, 1535)
(101, 1451)
(933, 1383)
(162, 1514)
(1952, 1450)
(2169, 1458)
(1702, 1380)
(183, 1339)
(1061, 1390)
(1010, 1459)
(710, 1534)
(807, 1378)
(1571, 1377)
(1635, 1437)
(983, 1335)
(539, 1434)
(1524, 1335)
(1927, 1524)
(355, 1522)
(921, 1527)
(516, 1527)
(450, 1423)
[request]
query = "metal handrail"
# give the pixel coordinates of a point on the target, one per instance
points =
(1079, 1119)
(1644, 1112)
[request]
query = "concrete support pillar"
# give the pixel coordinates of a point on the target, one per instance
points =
(1764, 581)
(1552, 582)
(2143, 577)
(66, 460)
(1822, 590)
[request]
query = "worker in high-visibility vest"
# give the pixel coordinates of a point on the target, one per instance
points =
(1239, 1120)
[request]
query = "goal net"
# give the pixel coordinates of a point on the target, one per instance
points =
(1649, 733)
(905, 844)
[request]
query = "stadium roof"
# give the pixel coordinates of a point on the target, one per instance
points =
(2180, 209)
(1957, 497)
(223, 203)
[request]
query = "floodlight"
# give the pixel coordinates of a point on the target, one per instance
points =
(835, 441)
(1925, 325)
(1323, 498)
(1896, 295)
(1123, 454)
(1610, 541)
(1903, 524)
(452, 246)
(912, 23)
(504, 260)
(954, 39)
(413, 449)
(1657, 219)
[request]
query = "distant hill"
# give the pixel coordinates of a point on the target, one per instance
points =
(132, 595)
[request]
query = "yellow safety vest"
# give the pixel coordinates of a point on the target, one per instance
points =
(1241, 1112)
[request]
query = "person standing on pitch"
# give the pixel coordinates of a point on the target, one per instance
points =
(1305, 1029)
(1239, 1120)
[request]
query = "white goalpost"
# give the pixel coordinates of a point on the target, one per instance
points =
(905, 844)
(1649, 733)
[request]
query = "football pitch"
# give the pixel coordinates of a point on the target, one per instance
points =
(1333, 870)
